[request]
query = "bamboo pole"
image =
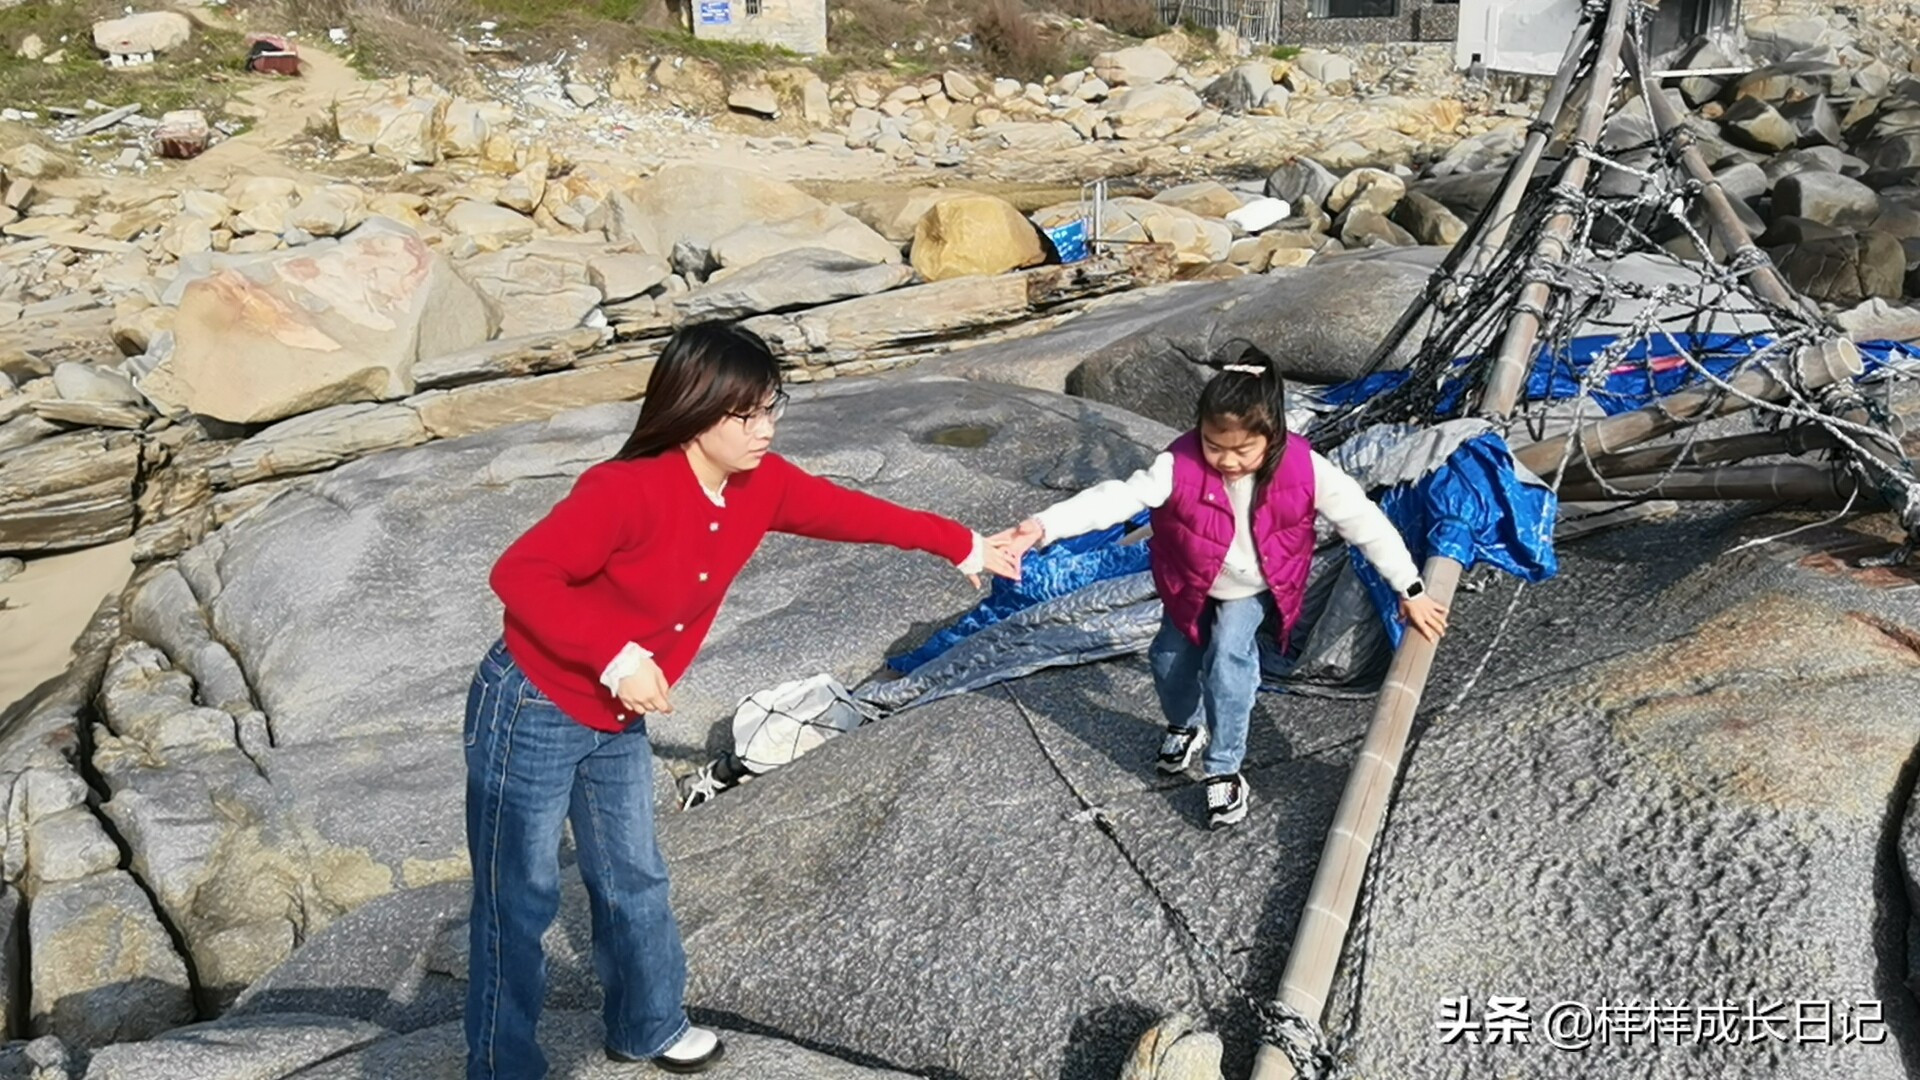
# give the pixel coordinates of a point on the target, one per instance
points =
(1822, 486)
(1523, 331)
(1489, 228)
(1323, 926)
(1794, 440)
(1818, 365)
(1764, 277)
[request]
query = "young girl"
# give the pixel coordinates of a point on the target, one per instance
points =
(607, 601)
(1233, 507)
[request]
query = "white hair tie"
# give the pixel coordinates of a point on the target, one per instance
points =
(1245, 369)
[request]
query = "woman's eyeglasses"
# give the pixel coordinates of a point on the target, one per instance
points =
(769, 413)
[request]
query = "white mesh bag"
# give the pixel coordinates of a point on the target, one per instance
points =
(772, 727)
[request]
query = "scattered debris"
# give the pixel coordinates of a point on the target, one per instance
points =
(271, 54)
(182, 134)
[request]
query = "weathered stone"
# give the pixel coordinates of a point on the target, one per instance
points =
(103, 968)
(148, 32)
(622, 275)
(959, 86)
(1195, 240)
(449, 414)
(1782, 36)
(1205, 198)
(467, 125)
(896, 214)
(1375, 189)
(1743, 182)
(815, 105)
(1241, 89)
(1174, 1049)
(1325, 68)
(923, 312)
(67, 492)
(1142, 106)
(1300, 181)
(824, 227)
(975, 234)
(1754, 124)
(756, 100)
(321, 439)
(398, 126)
(13, 972)
(1845, 270)
(491, 227)
(1364, 227)
(243, 1048)
(1135, 66)
(67, 846)
(1793, 79)
(700, 206)
(1797, 230)
(1815, 119)
(536, 288)
(321, 326)
(804, 277)
(1428, 220)
(84, 382)
(1828, 198)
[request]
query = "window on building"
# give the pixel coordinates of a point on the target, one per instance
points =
(1355, 9)
(753, 7)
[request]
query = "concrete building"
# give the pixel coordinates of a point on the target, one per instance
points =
(800, 25)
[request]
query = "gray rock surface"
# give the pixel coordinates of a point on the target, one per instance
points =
(254, 1048)
(803, 277)
(1828, 198)
(1846, 269)
(1145, 351)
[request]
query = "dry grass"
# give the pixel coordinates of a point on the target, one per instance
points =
(1012, 44)
(1134, 18)
(201, 74)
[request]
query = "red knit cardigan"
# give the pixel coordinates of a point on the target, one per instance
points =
(638, 552)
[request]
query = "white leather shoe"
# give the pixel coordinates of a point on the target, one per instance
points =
(695, 1052)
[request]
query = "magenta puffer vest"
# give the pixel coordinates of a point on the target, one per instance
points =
(1192, 531)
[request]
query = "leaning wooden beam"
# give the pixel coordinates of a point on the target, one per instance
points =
(1818, 365)
(1797, 440)
(1824, 486)
(1323, 926)
(1523, 330)
(1763, 276)
(1489, 228)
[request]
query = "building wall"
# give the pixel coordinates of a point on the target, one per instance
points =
(800, 25)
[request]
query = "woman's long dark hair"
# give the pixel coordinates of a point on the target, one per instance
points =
(705, 374)
(1254, 400)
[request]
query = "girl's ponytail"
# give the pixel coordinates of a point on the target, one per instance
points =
(1248, 392)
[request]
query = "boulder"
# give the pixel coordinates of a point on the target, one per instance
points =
(401, 127)
(68, 491)
(491, 226)
(1146, 352)
(623, 275)
(1259, 215)
(1195, 240)
(1428, 220)
(1779, 83)
(1708, 54)
(536, 288)
(1241, 89)
(1302, 180)
(959, 86)
(1363, 227)
(801, 278)
(851, 329)
(1877, 320)
(1206, 198)
(756, 100)
(332, 323)
(698, 205)
(1140, 106)
(1744, 182)
(1139, 65)
(1845, 270)
(333, 210)
(976, 234)
(139, 34)
(1376, 189)
(896, 214)
(1815, 119)
(1756, 125)
(103, 968)
(1784, 36)
(1325, 68)
(1796, 230)
(1828, 198)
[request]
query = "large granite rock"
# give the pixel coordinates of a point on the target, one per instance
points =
(324, 325)
(70, 491)
(801, 278)
(1846, 269)
(975, 234)
(1146, 351)
(701, 206)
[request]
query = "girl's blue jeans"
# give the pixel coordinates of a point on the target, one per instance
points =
(1214, 683)
(529, 770)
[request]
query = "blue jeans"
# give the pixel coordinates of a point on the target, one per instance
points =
(530, 769)
(1213, 684)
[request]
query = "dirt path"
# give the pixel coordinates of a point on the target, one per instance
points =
(281, 111)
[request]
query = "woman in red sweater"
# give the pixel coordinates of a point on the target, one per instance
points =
(607, 601)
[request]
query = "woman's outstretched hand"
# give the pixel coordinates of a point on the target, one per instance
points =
(999, 562)
(1426, 615)
(1020, 539)
(645, 691)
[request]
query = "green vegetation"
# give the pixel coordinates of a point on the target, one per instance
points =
(201, 74)
(1284, 52)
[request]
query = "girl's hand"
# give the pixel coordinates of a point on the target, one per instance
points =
(1426, 615)
(1001, 562)
(1020, 539)
(645, 691)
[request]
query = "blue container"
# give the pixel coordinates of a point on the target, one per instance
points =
(1069, 241)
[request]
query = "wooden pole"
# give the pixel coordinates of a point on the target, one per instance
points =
(1819, 365)
(1764, 277)
(1323, 926)
(1797, 482)
(1655, 459)
(1523, 331)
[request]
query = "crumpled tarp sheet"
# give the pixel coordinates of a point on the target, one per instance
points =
(1651, 369)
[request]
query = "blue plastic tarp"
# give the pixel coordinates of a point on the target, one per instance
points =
(1474, 509)
(1650, 369)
